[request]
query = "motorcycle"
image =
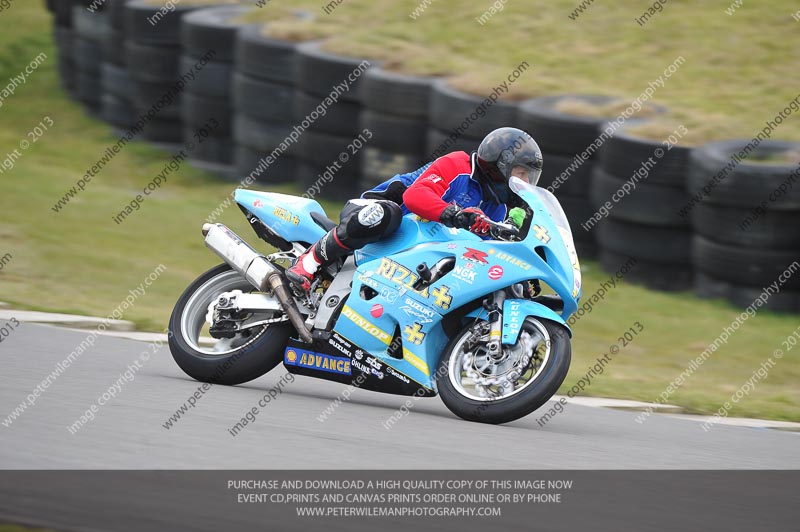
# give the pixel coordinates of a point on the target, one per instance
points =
(429, 310)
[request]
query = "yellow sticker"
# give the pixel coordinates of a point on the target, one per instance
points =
(415, 361)
(359, 320)
(414, 333)
(442, 297)
(541, 233)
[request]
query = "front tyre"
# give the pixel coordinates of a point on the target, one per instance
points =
(249, 355)
(478, 386)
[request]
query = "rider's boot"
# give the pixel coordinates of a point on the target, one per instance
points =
(326, 250)
(304, 269)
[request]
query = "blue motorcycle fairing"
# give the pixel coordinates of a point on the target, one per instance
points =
(480, 267)
(514, 313)
(413, 231)
(418, 241)
(372, 323)
(387, 303)
(288, 216)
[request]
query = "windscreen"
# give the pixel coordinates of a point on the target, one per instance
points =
(552, 205)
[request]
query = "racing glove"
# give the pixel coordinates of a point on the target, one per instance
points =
(471, 218)
(517, 217)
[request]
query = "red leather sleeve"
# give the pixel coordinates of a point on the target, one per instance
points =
(424, 196)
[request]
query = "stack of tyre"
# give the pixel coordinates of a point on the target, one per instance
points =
(459, 121)
(645, 223)
(263, 106)
(562, 137)
(329, 159)
(152, 53)
(396, 117)
(747, 224)
(63, 37)
(90, 34)
(117, 87)
(207, 103)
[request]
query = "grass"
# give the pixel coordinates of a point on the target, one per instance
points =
(81, 261)
(18, 528)
(739, 72)
(784, 157)
(612, 109)
(161, 3)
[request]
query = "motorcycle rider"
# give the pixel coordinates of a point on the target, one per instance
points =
(460, 190)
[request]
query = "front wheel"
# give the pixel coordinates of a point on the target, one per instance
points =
(248, 355)
(477, 385)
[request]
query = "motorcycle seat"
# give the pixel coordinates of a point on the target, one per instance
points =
(323, 221)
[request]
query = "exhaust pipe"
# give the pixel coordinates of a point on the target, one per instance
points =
(258, 271)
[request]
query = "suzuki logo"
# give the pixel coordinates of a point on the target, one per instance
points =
(476, 256)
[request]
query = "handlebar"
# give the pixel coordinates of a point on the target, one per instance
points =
(503, 231)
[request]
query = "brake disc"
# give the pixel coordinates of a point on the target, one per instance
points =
(504, 371)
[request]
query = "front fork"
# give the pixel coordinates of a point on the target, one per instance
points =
(494, 305)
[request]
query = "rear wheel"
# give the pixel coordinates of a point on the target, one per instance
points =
(478, 386)
(248, 355)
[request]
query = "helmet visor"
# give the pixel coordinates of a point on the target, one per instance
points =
(526, 172)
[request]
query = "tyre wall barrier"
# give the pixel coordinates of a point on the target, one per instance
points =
(207, 105)
(644, 220)
(567, 142)
(459, 121)
(395, 115)
(118, 91)
(263, 95)
(63, 36)
(330, 164)
(153, 56)
(89, 36)
(726, 241)
(747, 222)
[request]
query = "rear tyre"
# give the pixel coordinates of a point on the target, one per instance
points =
(539, 380)
(229, 362)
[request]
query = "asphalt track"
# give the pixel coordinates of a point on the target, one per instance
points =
(128, 431)
(128, 434)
